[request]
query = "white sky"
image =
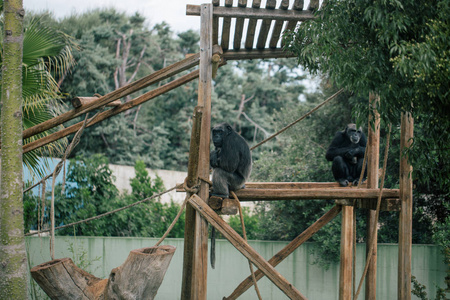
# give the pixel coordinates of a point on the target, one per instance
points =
(172, 12)
(155, 11)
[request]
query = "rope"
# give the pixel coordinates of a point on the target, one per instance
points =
(245, 238)
(299, 119)
(193, 190)
(375, 229)
(108, 213)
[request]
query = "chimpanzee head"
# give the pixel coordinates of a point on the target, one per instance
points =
(219, 133)
(353, 134)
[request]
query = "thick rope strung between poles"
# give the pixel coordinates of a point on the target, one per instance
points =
(244, 233)
(299, 119)
(375, 229)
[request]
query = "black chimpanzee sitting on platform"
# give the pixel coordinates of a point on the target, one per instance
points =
(231, 160)
(347, 154)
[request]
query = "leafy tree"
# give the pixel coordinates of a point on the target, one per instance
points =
(397, 49)
(47, 55)
(90, 191)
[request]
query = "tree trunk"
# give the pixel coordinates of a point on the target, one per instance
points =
(13, 259)
(139, 277)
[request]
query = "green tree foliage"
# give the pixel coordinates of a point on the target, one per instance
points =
(47, 56)
(397, 49)
(90, 191)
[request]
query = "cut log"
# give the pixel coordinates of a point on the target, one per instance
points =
(62, 279)
(139, 277)
(80, 101)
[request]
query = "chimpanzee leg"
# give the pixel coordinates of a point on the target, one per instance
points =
(340, 170)
(224, 181)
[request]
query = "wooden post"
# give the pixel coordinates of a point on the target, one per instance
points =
(346, 266)
(373, 161)
(406, 198)
(199, 281)
(189, 229)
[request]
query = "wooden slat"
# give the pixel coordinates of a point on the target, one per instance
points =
(253, 13)
(265, 26)
(299, 194)
(313, 5)
(242, 246)
(239, 27)
(278, 26)
(155, 77)
(215, 24)
(297, 6)
(373, 162)
(405, 223)
(346, 254)
(256, 54)
(225, 25)
(250, 37)
(287, 250)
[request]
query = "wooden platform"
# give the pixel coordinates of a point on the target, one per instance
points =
(256, 30)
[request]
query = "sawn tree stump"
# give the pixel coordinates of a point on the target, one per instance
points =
(139, 277)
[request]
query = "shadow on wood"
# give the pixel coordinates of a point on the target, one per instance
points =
(139, 277)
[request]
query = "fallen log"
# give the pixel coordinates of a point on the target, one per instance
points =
(139, 277)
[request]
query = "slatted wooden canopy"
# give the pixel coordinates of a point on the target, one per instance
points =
(245, 30)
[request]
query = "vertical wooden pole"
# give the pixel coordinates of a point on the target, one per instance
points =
(406, 198)
(204, 99)
(189, 227)
(373, 161)
(345, 269)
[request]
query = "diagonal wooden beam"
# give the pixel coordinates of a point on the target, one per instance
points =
(286, 251)
(155, 77)
(111, 112)
(242, 246)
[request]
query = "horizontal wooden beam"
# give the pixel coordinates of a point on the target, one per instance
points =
(242, 246)
(256, 54)
(247, 194)
(290, 185)
(253, 13)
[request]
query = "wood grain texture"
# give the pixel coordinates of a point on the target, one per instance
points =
(373, 164)
(405, 223)
(242, 246)
(139, 277)
(346, 254)
(287, 250)
(155, 77)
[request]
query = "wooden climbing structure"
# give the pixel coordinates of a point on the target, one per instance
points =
(237, 31)
(257, 34)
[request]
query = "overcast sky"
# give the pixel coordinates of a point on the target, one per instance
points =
(155, 11)
(172, 12)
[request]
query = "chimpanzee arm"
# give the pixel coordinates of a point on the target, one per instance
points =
(339, 146)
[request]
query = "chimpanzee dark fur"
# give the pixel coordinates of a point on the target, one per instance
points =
(231, 160)
(347, 154)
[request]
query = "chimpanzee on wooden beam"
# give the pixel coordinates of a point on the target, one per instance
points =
(347, 154)
(231, 160)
